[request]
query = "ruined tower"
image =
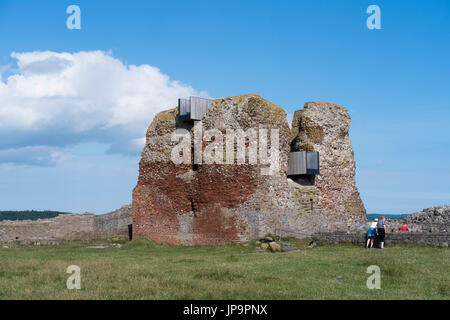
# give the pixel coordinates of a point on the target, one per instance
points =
(212, 203)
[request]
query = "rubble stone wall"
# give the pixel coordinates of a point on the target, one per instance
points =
(69, 227)
(430, 238)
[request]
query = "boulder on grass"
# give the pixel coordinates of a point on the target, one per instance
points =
(275, 247)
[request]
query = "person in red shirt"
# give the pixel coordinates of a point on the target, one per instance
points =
(403, 228)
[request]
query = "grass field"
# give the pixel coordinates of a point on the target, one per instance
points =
(144, 270)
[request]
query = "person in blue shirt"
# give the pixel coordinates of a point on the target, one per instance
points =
(371, 234)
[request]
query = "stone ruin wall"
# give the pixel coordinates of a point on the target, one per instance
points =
(428, 238)
(68, 227)
(218, 204)
(430, 226)
(324, 127)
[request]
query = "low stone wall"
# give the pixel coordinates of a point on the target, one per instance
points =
(86, 226)
(434, 220)
(437, 239)
(423, 227)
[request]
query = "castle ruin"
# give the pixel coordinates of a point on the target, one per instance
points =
(199, 202)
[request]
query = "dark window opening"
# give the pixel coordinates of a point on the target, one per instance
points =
(304, 179)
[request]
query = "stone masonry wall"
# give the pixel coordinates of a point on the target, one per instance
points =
(69, 227)
(431, 238)
(225, 203)
(324, 127)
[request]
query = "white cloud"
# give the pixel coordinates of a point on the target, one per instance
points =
(59, 99)
(36, 156)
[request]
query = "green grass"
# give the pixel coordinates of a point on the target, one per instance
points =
(144, 270)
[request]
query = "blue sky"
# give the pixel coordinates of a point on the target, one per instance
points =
(79, 153)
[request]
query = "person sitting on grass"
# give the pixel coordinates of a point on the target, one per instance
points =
(381, 226)
(371, 234)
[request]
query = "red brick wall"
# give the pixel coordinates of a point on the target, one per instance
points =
(162, 194)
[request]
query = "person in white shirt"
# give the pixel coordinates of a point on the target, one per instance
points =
(371, 234)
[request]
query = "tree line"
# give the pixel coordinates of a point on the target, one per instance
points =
(29, 214)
